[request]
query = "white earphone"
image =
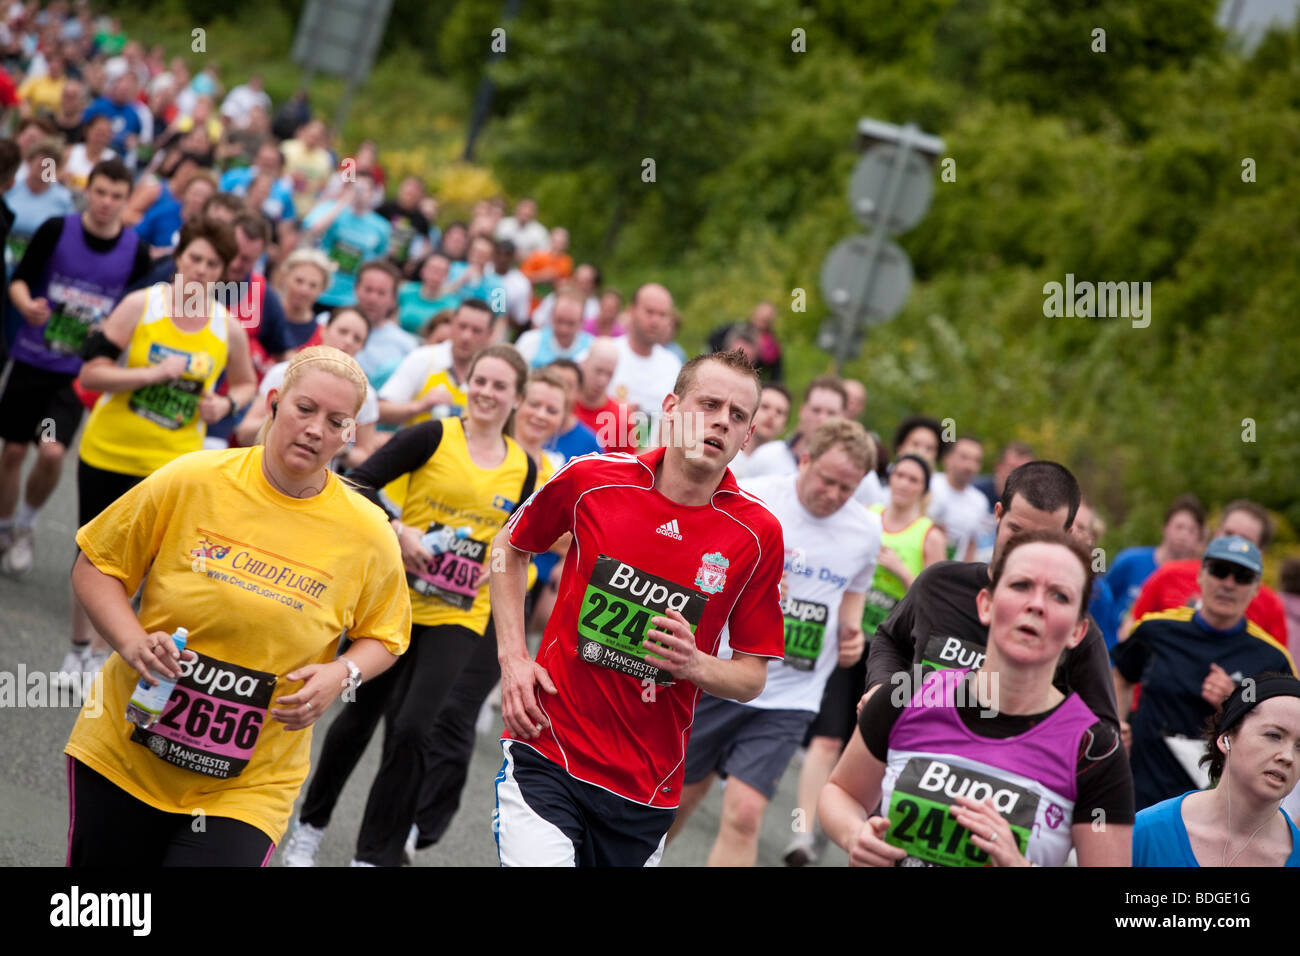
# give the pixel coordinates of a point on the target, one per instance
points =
(1227, 744)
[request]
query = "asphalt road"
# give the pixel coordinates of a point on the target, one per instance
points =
(34, 622)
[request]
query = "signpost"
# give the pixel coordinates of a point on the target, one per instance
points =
(340, 37)
(865, 279)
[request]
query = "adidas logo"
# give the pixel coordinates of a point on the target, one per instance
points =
(669, 529)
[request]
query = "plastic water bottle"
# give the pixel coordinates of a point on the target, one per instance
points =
(147, 702)
(441, 540)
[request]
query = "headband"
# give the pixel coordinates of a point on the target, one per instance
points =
(1237, 706)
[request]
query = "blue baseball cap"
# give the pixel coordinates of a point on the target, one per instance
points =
(1237, 550)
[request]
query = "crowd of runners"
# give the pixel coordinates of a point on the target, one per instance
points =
(670, 572)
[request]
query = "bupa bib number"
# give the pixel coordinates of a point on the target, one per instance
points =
(944, 653)
(616, 610)
(805, 630)
(919, 821)
(348, 256)
(213, 718)
(454, 572)
(876, 608)
(66, 330)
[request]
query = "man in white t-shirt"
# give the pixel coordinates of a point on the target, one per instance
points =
(823, 398)
(831, 545)
(646, 371)
(773, 415)
(955, 503)
(524, 230)
(562, 339)
(431, 380)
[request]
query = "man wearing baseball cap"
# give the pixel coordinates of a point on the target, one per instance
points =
(1188, 661)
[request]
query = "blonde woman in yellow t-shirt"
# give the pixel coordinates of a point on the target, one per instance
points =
(265, 556)
(157, 359)
(467, 476)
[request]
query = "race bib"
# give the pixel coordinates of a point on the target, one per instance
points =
(805, 629)
(876, 609)
(919, 821)
(348, 256)
(66, 331)
(173, 405)
(945, 653)
(212, 719)
(455, 571)
(616, 611)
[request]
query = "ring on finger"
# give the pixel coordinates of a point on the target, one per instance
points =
(308, 705)
(993, 836)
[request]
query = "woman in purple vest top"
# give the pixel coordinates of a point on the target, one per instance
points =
(995, 767)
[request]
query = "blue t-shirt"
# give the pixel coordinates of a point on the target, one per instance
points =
(126, 121)
(1160, 836)
(578, 440)
(279, 201)
(490, 288)
(1127, 575)
(162, 222)
(351, 241)
(1102, 609)
(30, 210)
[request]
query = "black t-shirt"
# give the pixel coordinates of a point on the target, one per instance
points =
(407, 224)
(936, 624)
(1102, 773)
(39, 251)
(74, 132)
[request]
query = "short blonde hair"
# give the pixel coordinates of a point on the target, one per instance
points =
(327, 359)
(850, 436)
(308, 257)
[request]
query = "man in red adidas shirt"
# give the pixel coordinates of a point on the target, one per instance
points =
(1174, 583)
(667, 552)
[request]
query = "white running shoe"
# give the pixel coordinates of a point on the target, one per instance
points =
(303, 843)
(408, 851)
(74, 664)
(19, 556)
(94, 663)
(356, 862)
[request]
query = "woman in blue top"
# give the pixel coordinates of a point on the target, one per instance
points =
(1253, 753)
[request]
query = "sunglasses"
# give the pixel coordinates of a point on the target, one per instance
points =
(1223, 569)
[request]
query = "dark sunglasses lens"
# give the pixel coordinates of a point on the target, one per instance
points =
(1223, 569)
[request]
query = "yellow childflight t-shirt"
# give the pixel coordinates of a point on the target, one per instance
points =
(265, 584)
(450, 493)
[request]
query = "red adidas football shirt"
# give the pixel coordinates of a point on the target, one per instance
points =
(612, 722)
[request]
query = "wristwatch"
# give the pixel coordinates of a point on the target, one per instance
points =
(353, 679)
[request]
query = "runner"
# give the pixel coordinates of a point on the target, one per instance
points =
(157, 366)
(910, 542)
(978, 769)
(351, 233)
(300, 280)
(608, 419)
(1251, 752)
(573, 437)
(956, 505)
(430, 382)
(36, 197)
(823, 398)
(466, 476)
(667, 552)
(1180, 540)
(71, 275)
(562, 339)
(1174, 583)
(285, 558)
(831, 546)
(451, 742)
(1188, 661)
(773, 415)
(936, 625)
(646, 370)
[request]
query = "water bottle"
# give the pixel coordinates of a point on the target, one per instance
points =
(440, 540)
(147, 702)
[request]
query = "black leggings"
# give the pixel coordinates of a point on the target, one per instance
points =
(107, 827)
(408, 696)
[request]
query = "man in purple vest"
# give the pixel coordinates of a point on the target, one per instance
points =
(72, 274)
